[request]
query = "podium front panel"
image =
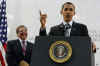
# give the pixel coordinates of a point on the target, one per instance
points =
(81, 51)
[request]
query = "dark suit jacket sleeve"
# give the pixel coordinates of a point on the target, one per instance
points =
(42, 32)
(29, 52)
(10, 55)
(14, 55)
(52, 31)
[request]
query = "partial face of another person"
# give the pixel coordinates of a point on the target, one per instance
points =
(68, 11)
(22, 33)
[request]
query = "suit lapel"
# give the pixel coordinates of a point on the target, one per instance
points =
(61, 29)
(19, 47)
(61, 26)
(27, 49)
(73, 29)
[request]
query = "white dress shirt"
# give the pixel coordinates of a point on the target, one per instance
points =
(70, 23)
(22, 43)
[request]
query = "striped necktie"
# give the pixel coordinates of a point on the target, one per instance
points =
(23, 47)
(67, 27)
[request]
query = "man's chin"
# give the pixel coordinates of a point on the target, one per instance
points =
(23, 38)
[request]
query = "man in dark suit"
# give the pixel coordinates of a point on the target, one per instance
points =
(68, 27)
(19, 50)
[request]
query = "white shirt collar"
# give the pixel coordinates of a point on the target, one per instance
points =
(71, 22)
(21, 40)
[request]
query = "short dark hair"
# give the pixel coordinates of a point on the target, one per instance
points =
(69, 4)
(21, 26)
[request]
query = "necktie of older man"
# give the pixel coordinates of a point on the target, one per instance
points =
(23, 47)
(67, 27)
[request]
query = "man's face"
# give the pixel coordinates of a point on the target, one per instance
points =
(22, 33)
(68, 12)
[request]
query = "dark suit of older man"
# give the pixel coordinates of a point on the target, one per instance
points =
(19, 51)
(15, 52)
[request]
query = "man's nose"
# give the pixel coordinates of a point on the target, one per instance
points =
(68, 12)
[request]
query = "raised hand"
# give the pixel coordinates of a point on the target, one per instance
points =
(43, 19)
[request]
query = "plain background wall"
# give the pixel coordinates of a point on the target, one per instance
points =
(26, 12)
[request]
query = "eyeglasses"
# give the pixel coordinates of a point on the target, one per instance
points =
(22, 31)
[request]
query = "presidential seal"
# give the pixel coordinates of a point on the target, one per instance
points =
(60, 51)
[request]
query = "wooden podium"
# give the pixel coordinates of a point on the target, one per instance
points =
(81, 51)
